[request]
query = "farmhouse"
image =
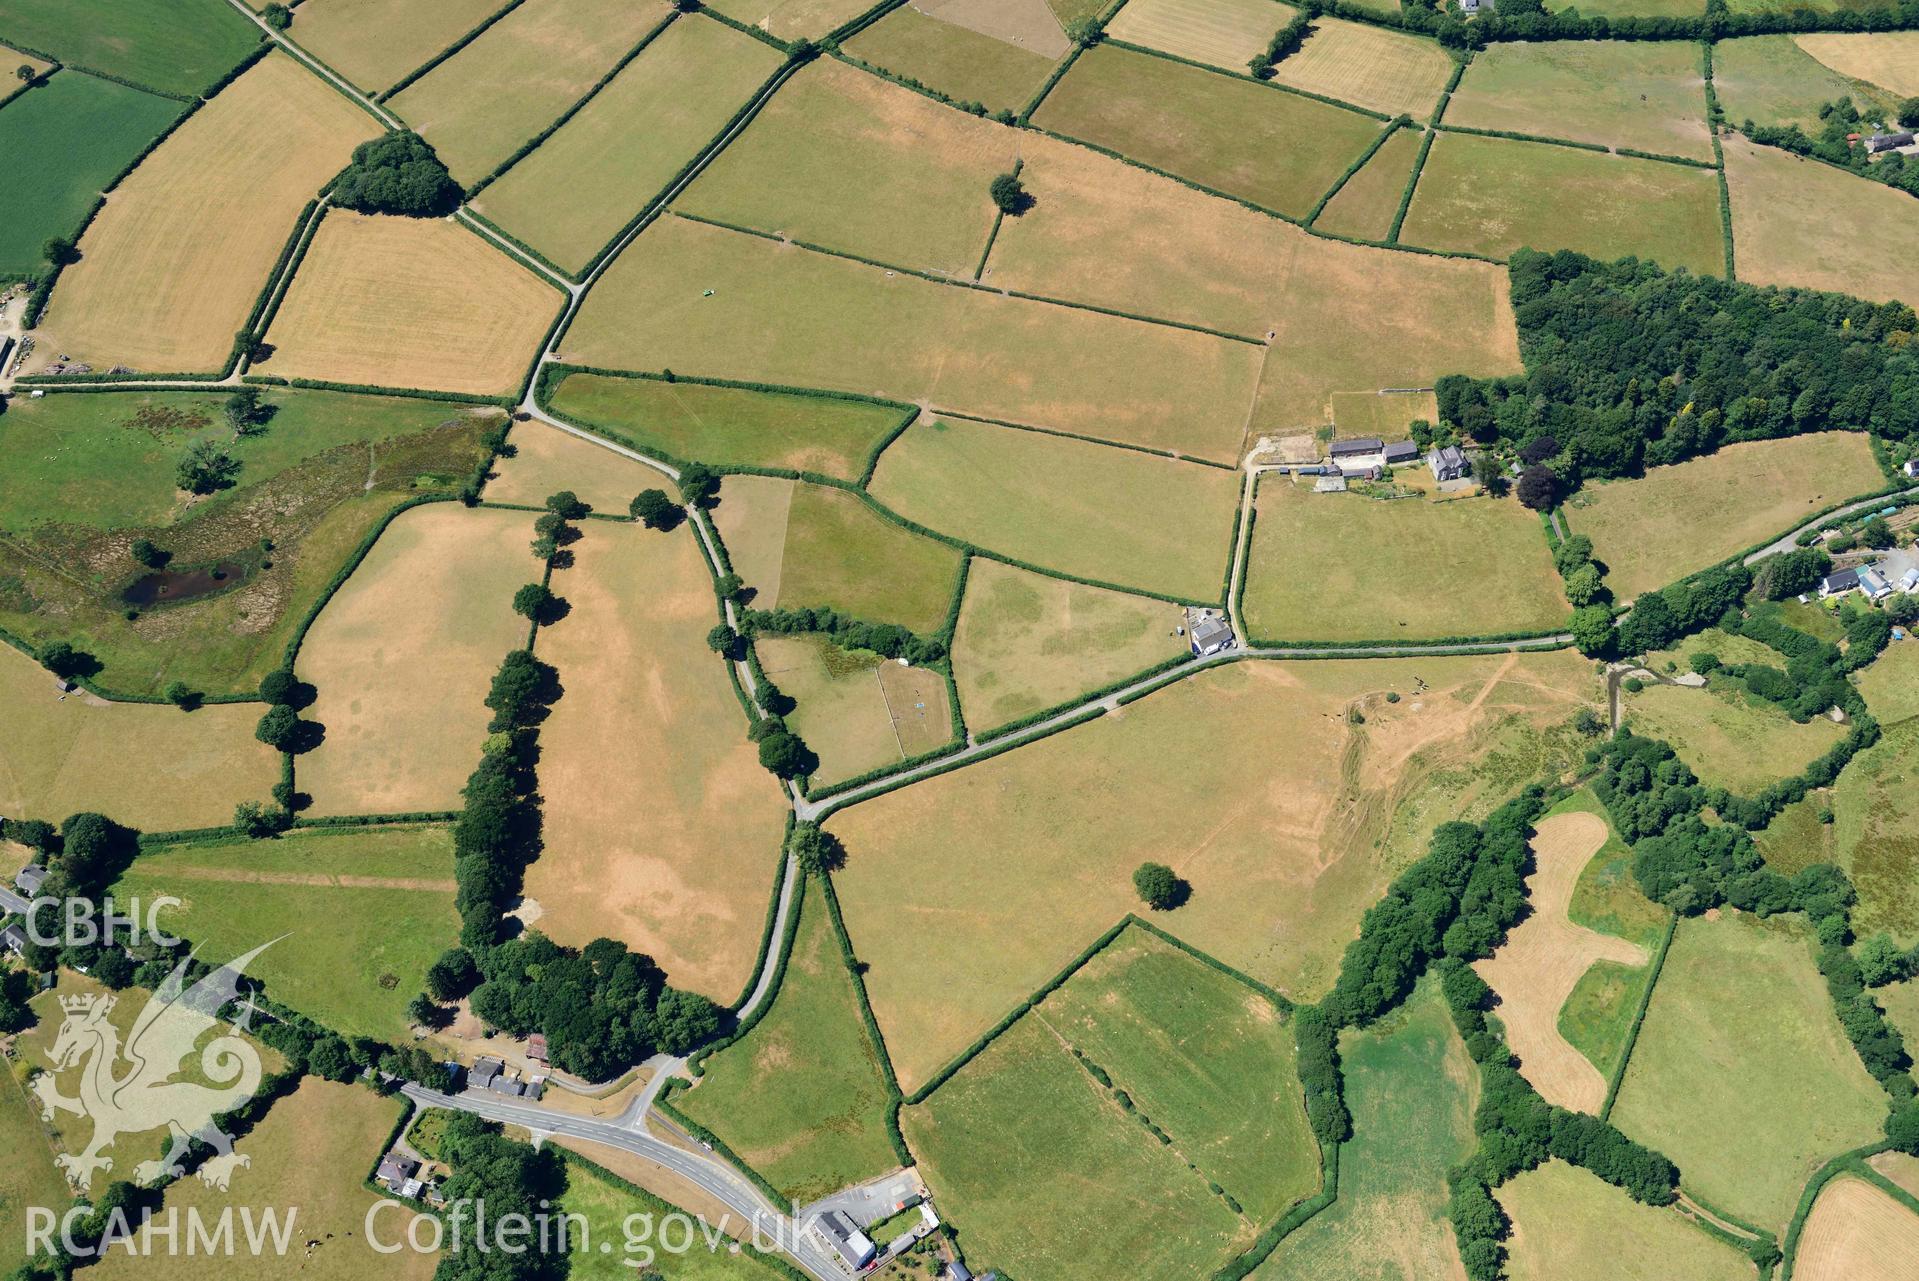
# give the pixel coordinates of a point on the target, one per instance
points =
(839, 1231)
(14, 939)
(1873, 583)
(485, 1072)
(1361, 452)
(1210, 634)
(29, 879)
(400, 1174)
(1448, 463)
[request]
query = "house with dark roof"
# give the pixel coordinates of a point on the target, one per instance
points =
(485, 1072)
(29, 879)
(1838, 583)
(396, 1171)
(837, 1229)
(14, 939)
(1209, 635)
(1448, 463)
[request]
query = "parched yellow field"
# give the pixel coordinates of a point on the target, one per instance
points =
(1675, 520)
(709, 302)
(402, 657)
(1795, 220)
(1727, 737)
(374, 43)
(480, 105)
(1365, 206)
(1342, 317)
(1569, 1226)
(1369, 66)
(1026, 641)
(547, 460)
(170, 269)
(661, 829)
(1856, 1232)
(578, 189)
(148, 765)
(794, 19)
(406, 302)
(857, 711)
(845, 159)
(1645, 94)
(1224, 33)
(12, 57)
(1889, 59)
(1285, 848)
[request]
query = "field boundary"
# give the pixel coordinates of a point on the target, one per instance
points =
(1714, 115)
(1294, 90)
(895, 1097)
(1653, 968)
(1393, 126)
(1170, 454)
(421, 71)
(1425, 149)
(1844, 1163)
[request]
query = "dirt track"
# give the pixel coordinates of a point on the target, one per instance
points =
(1535, 970)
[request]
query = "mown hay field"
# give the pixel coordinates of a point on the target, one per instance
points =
(802, 1098)
(376, 43)
(150, 765)
(793, 19)
(1369, 67)
(1340, 317)
(171, 267)
(64, 141)
(1411, 1090)
(709, 302)
(1774, 80)
(96, 471)
(1066, 505)
(1899, 1167)
(546, 460)
(1888, 60)
(1569, 1226)
(1728, 737)
(572, 195)
(1494, 195)
(798, 544)
(1876, 832)
(1792, 218)
(1026, 641)
(402, 302)
(847, 711)
(661, 829)
(1657, 528)
(959, 62)
(402, 657)
(844, 159)
(38, 66)
(314, 1150)
(1223, 33)
(1250, 140)
(363, 912)
(1055, 1177)
(1546, 955)
(730, 425)
(1366, 205)
(1279, 878)
(518, 77)
(1857, 1232)
(176, 46)
(1350, 567)
(1646, 94)
(1742, 1074)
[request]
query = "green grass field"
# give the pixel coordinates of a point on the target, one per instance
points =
(574, 194)
(1052, 1177)
(1741, 1074)
(1648, 95)
(29, 1176)
(175, 46)
(798, 544)
(1410, 1088)
(95, 472)
(1891, 684)
(1772, 81)
(1365, 206)
(1066, 505)
(64, 140)
(1631, 8)
(960, 63)
(518, 77)
(1876, 829)
(1274, 148)
(364, 911)
(1026, 641)
(1797, 838)
(1597, 1017)
(848, 713)
(844, 159)
(1728, 737)
(727, 425)
(1673, 521)
(803, 1098)
(716, 303)
(1348, 567)
(637, 1243)
(1901, 1004)
(1569, 1226)
(1607, 898)
(1792, 215)
(1494, 195)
